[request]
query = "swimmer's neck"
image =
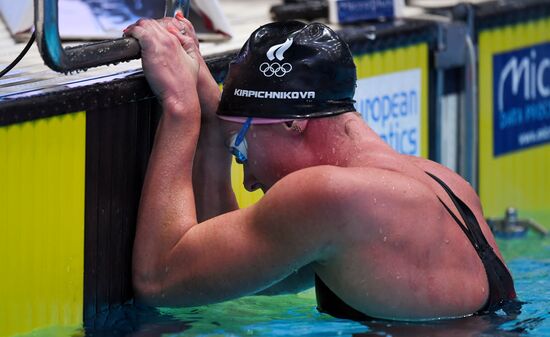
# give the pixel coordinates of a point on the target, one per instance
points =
(354, 144)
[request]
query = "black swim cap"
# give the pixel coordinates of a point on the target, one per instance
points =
(290, 70)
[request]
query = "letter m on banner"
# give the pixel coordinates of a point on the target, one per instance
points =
(521, 99)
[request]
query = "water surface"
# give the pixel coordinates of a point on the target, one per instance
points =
(295, 315)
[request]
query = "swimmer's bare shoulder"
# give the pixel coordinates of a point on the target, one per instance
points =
(388, 230)
(460, 186)
(350, 198)
(463, 190)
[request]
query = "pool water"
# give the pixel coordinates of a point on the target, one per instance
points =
(295, 315)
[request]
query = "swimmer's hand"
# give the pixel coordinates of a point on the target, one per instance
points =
(207, 87)
(170, 59)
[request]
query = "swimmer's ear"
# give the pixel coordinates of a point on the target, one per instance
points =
(298, 126)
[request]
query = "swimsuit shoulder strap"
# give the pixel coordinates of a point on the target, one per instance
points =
(501, 285)
(471, 226)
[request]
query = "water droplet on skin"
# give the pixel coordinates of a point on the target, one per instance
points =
(398, 277)
(447, 241)
(166, 269)
(253, 134)
(393, 188)
(385, 238)
(374, 199)
(333, 150)
(380, 230)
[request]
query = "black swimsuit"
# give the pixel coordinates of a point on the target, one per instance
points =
(501, 285)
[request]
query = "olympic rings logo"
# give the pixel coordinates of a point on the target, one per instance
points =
(275, 68)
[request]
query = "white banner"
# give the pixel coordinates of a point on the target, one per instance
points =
(391, 106)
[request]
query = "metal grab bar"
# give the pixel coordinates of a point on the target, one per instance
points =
(89, 55)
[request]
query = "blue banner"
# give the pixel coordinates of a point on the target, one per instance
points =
(521, 99)
(360, 10)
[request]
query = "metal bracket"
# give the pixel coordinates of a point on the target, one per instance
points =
(456, 49)
(88, 55)
(451, 45)
(511, 226)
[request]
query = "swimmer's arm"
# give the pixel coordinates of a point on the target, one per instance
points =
(212, 171)
(302, 279)
(176, 259)
(234, 254)
(211, 176)
(212, 163)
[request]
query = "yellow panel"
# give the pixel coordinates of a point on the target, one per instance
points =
(42, 223)
(244, 197)
(368, 65)
(518, 179)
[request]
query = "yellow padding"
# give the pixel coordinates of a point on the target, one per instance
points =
(42, 223)
(244, 198)
(519, 179)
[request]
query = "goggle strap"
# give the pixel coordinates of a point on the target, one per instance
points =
(242, 133)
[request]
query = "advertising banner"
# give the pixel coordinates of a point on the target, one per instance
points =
(391, 106)
(514, 119)
(521, 98)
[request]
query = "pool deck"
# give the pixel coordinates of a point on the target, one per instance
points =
(31, 76)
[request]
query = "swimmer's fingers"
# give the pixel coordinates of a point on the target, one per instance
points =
(182, 30)
(190, 47)
(179, 26)
(174, 27)
(154, 32)
(125, 32)
(190, 30)
(147, 32)
(136, 32)
(170, 64)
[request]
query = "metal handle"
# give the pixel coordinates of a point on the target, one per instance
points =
(89, 55)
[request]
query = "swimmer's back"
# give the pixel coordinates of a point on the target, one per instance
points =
(429, 267)
(463, 190)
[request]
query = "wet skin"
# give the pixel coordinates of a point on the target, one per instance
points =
(339, 202)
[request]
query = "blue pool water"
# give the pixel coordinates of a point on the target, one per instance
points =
(295, 315)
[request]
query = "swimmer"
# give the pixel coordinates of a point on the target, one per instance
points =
(379, 234)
